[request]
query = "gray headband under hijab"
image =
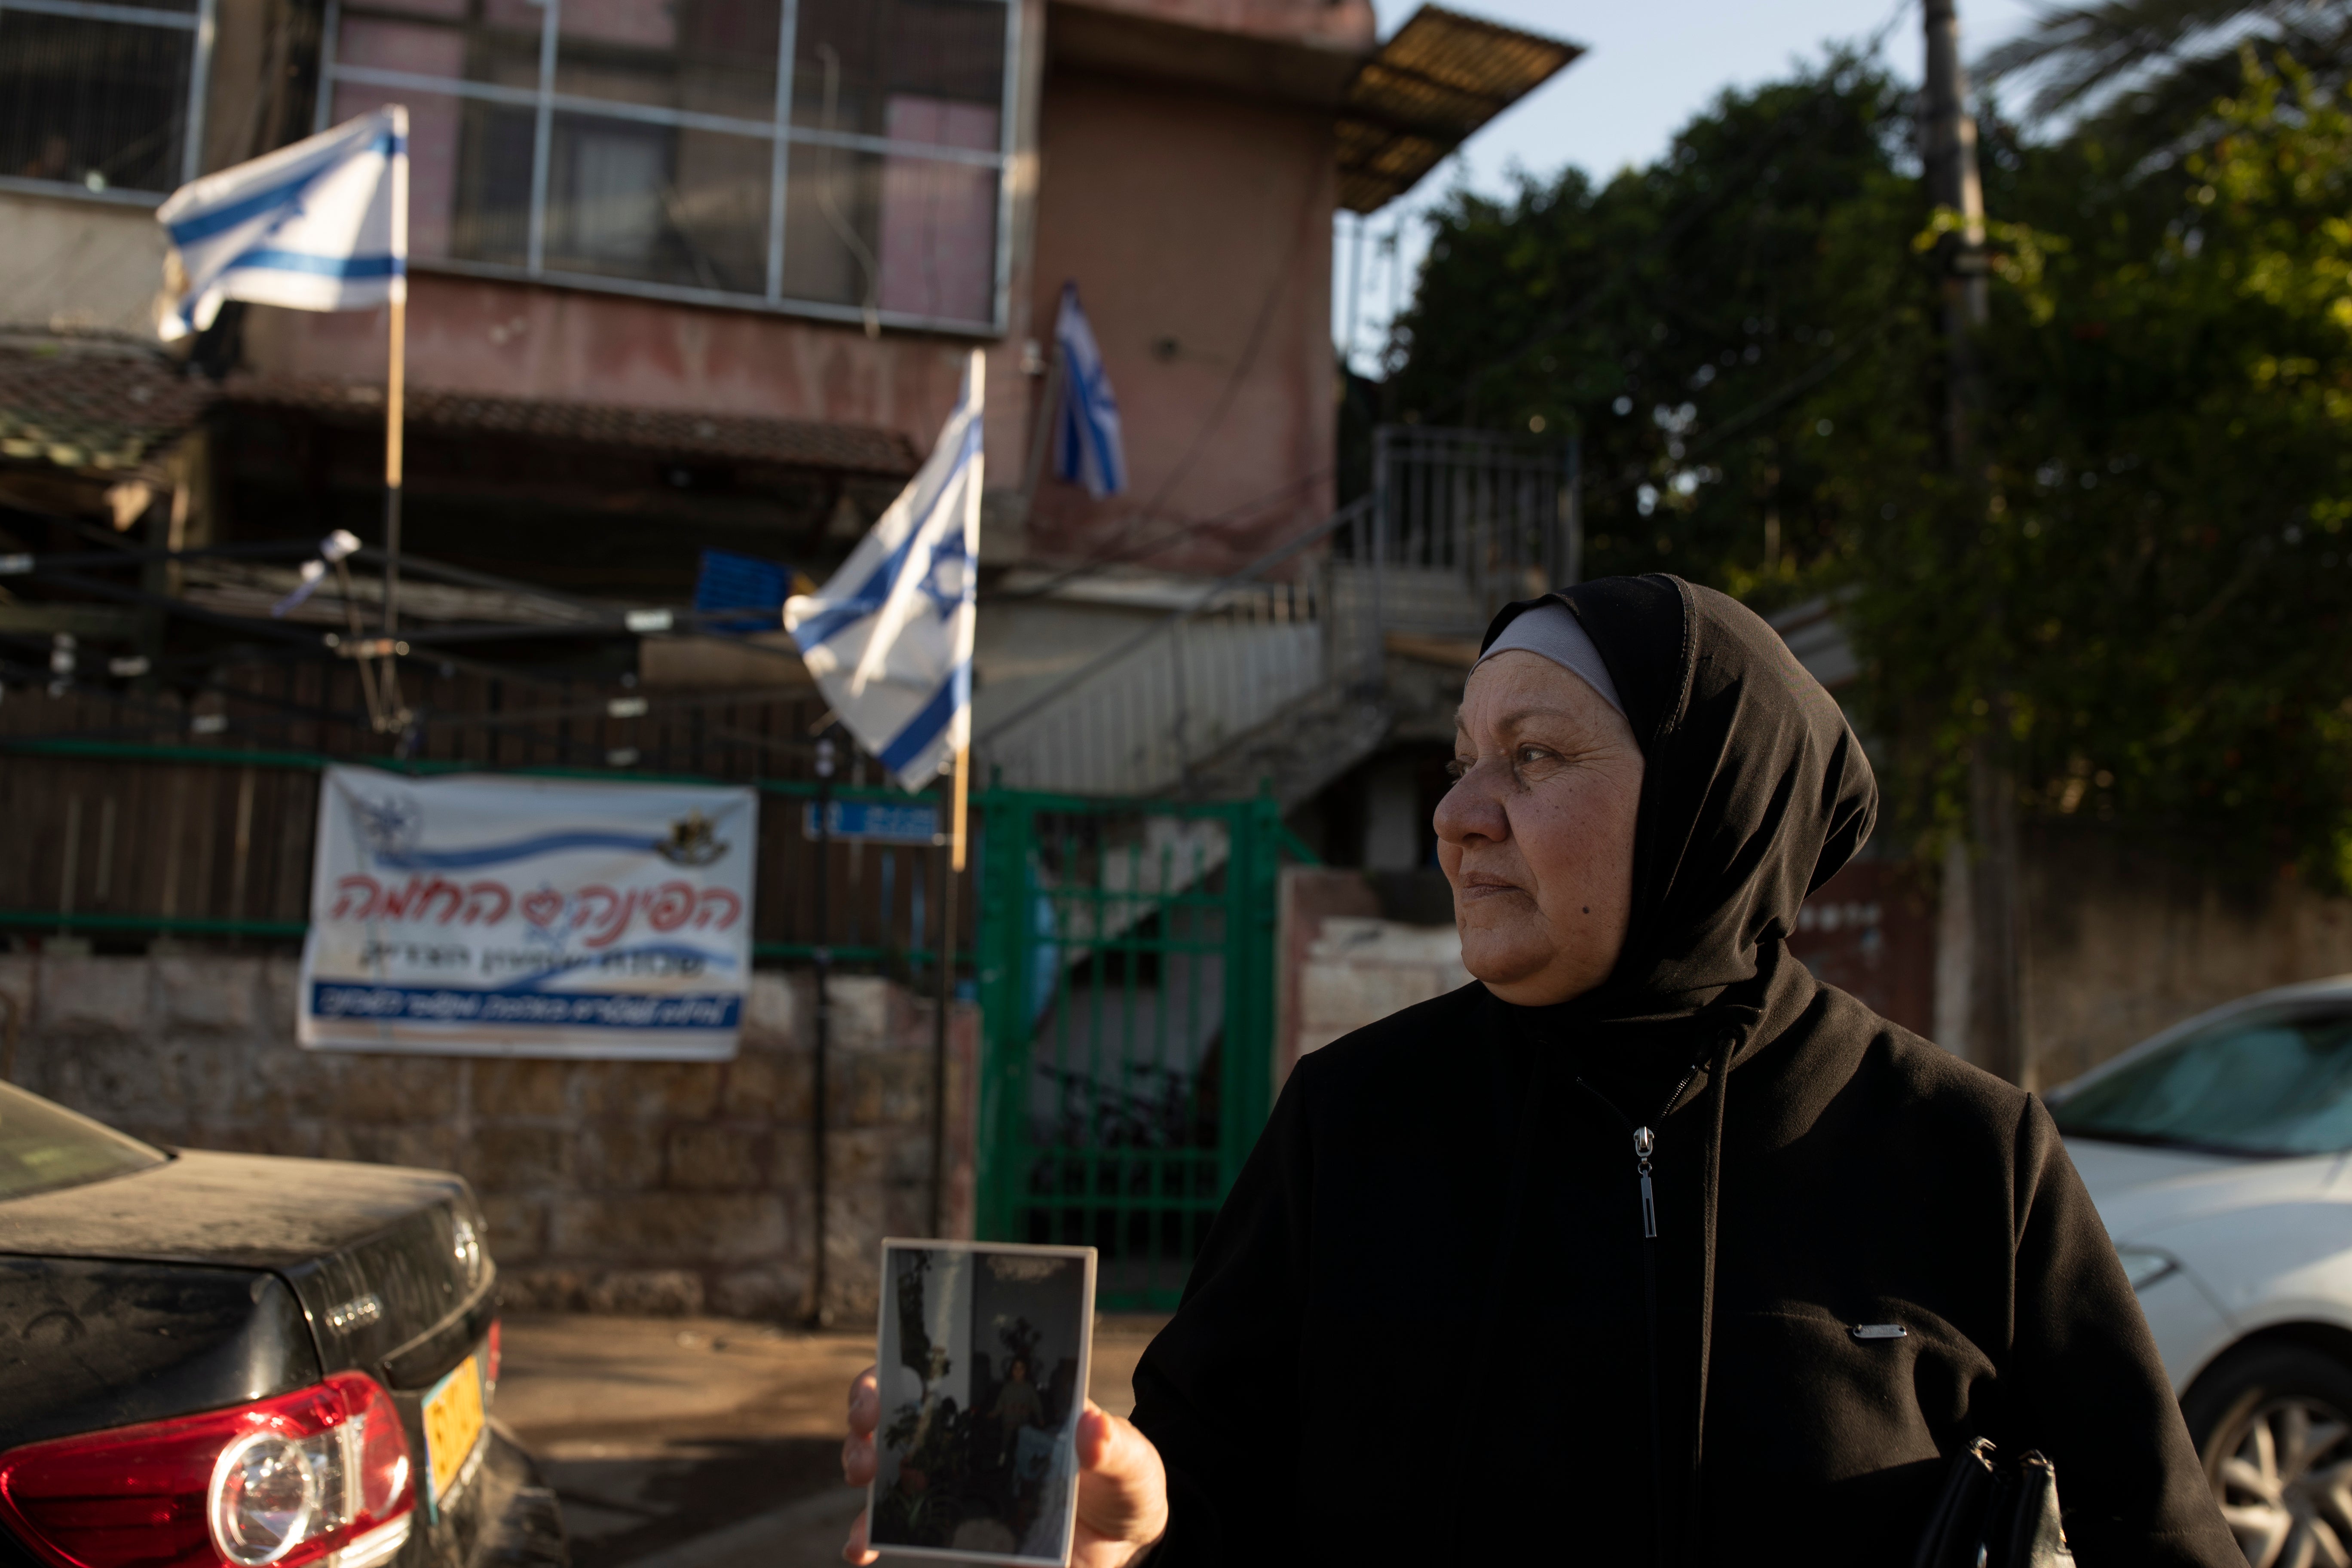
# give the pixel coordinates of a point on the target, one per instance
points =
(1552, 631)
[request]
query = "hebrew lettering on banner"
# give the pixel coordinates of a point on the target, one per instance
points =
(486, 915)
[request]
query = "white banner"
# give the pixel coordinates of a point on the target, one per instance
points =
(480, 915)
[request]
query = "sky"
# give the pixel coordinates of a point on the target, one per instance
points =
(1650, 66)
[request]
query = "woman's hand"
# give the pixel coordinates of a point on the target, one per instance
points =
(1123, 1486)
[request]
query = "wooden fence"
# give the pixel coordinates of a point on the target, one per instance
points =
(125, 816)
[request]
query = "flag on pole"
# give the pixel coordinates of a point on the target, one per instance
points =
(320, 225)
(1086, 446)
(888, 639)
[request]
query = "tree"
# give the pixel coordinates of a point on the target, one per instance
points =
(2160, 582)
(2150, 69)
(1682, 316)
(2148, 569)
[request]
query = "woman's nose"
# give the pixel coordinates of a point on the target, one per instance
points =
(1470, 810)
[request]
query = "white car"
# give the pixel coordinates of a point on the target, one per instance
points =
(2219, 1154)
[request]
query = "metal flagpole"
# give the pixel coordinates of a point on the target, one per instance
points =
(945, 982)
(395, 396)
(960, 778)
(955, 834)
(958, 788)
(822, 955)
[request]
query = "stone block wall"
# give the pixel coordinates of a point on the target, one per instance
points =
(2119, 944)
(617, 1187)
(1342, 966)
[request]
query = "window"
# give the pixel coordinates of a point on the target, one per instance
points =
(843, 158)
(44, 1147)
(2273, 1081)
(102, 100)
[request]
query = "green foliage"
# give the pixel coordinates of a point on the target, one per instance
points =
(1683, 317)
(914, 1339)
(2152, 583)
(2145, 70)
(938, 1487)
(2146, 573)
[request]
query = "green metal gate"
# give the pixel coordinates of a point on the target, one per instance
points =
(1127, 992)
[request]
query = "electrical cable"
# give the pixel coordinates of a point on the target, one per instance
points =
(1820, 371)
(1623, 272)
(1276, 290)
(1151, 546)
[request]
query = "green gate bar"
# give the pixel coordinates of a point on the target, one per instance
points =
(1126, 977)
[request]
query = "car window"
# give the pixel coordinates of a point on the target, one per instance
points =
(44, 1147)
(2269, 1082)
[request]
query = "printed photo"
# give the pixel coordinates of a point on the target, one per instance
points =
(982, 1363)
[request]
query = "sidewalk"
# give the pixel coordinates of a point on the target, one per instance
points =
(707, 1443)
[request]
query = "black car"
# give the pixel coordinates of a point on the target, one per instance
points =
(227, 1361)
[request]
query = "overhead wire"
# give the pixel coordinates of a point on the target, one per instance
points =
(1622, 272)
(1124, 554)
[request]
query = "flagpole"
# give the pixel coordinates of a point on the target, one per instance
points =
(395, 397)
(955, 834)
(820, 956)
(943, 982)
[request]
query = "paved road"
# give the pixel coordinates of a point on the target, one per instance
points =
(706, 1443)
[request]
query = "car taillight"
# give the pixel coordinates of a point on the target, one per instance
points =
(321, 1476)
(490, 1358)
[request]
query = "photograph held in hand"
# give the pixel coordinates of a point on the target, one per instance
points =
(981, 1369)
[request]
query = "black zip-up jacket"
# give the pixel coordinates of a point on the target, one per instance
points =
(1431, 1324)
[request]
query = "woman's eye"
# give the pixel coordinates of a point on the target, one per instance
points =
(1456, 768)
(1527, 754)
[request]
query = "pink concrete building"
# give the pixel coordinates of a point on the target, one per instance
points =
(704, 274)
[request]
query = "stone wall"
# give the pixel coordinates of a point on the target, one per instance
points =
(1343, 965)
(620, 1186)
(2119, 944)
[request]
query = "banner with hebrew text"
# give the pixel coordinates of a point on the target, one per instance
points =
(490, 915)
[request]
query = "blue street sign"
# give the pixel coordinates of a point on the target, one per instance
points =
(872, 822)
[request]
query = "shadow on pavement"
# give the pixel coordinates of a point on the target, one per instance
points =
(704, 1443)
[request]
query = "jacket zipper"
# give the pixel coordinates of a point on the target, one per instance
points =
(1644, 1143)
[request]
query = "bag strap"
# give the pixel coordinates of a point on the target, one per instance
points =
(2029, 1532)
(1955, 1535)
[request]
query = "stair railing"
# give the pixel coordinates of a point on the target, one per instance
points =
(1134, 719)
(1457, 523)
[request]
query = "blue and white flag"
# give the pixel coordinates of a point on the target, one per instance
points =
(320, 225)
(1087, 445)
(888, 639)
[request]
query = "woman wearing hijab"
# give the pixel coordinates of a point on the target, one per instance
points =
(1725, 1267)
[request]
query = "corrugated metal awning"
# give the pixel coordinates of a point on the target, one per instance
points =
(1442, 77)
(94, 407)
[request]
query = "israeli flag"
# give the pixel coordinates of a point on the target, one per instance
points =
(320, 225)
(1086, 446)
(888, 639)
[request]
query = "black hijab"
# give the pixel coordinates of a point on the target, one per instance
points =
(1756, 791)
(1434, 1181)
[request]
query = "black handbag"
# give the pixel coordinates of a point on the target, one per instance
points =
(1996, 1514)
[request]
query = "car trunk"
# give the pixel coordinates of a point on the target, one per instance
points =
(384, 1267)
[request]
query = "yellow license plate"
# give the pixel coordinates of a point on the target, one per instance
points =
(453, 1426)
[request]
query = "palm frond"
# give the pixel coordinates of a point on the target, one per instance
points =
(2143, 50)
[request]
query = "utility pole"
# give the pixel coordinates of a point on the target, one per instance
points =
(1995, 1035)
(1949, 158)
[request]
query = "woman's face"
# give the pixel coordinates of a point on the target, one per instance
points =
(1536, 834)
